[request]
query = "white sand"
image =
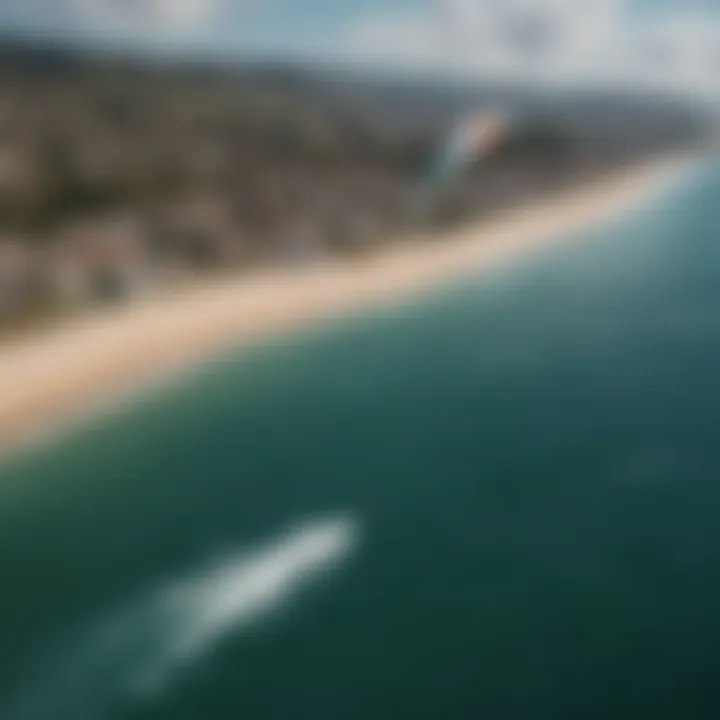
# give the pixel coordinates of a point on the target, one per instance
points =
(56, 374)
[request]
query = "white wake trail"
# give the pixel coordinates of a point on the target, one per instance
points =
(136, 654)
(242, 589)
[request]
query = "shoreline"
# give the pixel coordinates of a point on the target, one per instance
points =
(68, 371)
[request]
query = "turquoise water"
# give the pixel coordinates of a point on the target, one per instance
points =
(499, 502)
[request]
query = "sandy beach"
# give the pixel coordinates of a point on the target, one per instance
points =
(66, 371)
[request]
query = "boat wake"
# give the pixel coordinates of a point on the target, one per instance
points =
(135, 655)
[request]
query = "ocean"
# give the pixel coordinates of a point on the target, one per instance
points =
(500, 500)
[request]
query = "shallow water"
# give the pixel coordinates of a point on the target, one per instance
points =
(499, 502)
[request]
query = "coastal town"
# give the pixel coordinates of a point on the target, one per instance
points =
(357, 359)
(119, 178)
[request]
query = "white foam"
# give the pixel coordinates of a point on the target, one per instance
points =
(137, 653)
(240, 590)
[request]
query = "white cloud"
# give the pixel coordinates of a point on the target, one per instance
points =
(549, 41)
(126, 14)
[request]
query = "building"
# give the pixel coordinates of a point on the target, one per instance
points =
(100, 258)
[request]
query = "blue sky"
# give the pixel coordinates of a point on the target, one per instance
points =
(672, 44)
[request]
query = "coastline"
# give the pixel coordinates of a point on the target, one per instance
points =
(67, 371)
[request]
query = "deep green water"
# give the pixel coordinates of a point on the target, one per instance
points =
(500, 502)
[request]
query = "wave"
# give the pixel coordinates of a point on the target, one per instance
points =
(135, 655)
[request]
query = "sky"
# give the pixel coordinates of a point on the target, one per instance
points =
(657, 44)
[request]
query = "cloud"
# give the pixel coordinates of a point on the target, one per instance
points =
(603, 42)
(169, 14)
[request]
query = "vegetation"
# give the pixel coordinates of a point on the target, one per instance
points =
(115, 168)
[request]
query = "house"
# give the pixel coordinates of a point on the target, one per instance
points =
(17, 274)
(100, 258)
(199, 231)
